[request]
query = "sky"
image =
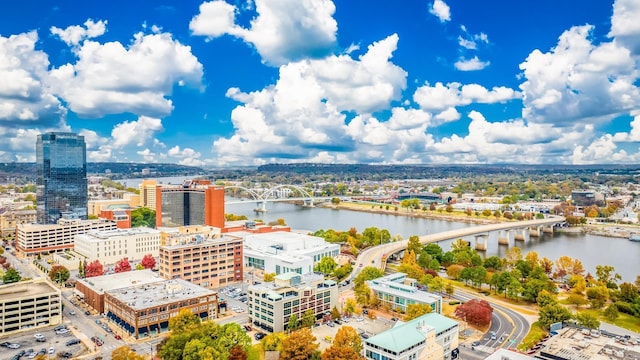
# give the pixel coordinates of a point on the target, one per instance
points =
(245, 83)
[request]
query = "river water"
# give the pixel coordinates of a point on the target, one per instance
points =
(592, 250)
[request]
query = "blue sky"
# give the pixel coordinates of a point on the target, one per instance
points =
(226, 83)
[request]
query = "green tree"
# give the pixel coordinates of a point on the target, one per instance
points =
(598, 296)
(143, 217)
(326, 265)
(308, 318)
(293, 323)
(346, 346)
(414, 244)
(81, 268)
(367, 273)
(611, 312)
(299, 345)
(546, 298)
(577, 300)
(449, 289)
(416, 310)
(11, 276)
(553, 313)
(587, 319)
(335, 313)
(607, 275)
(59, 274)
(184, 321)
(273, 341)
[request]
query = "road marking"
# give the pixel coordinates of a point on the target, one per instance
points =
(512, 324)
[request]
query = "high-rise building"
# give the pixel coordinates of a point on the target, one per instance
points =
(61, 182)
(195, 202)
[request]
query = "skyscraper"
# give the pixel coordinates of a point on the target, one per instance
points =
(61, 183)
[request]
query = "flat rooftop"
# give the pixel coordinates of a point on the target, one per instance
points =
(99, 235)
(105, 283)
(24, 289)
(199, 240)
(305, 281)
(142, 296)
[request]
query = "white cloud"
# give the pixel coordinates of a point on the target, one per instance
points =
(602, 151)
(75, 34)
(472, 64)
(448, 115)
(25, 95)
(110, 78)
(283, 31)
(625, 26)
(470, 41)
(147, 155)
(441, 97)
(187, 156)
(135, 132)
(440, 9)
(579, 80)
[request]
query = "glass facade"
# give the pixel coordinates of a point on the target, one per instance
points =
(61, 178)
(182, 207)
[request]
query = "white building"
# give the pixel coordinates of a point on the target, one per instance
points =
(430, 336)
(29, 304)
(398, 291)
(112, 245)
(281, 252)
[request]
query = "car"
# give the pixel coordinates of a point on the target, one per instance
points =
(38, 336)
(62, 331)
(493, 335)
(259, 336)
(21, 353)
(72, 312)
(394, 319)
(60, 327)
(331, 324)
(98, 322)
(475, 343)
(42, 351)
(5, 344)
(118, 337)
(87, 312)
(247, 327)
(42, 339)
(337, 321)
(365, 312)
(14, 346)
(52, 350)
(73, 342)
(66, 355)
(364, 336)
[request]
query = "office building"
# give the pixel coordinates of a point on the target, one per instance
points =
(200, 255)
(61, 176)
(280, 252)
(145, 309)
(29, 304)
(398, 291)
(195, 202)
(272, 304)
(430, 336)
(43, 238)
(10, 219)
(111, 246)
(148, 194)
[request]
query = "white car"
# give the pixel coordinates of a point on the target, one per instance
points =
(52, 350)
(13, 346)
(38, 336)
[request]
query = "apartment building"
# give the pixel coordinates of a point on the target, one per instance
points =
(282, 251)
(29, 304)
(398, 291)
(429, 337)
(200, 255)
(145, 309)
(110, 246)
(33, 239)
(272, 304)
(10, 219)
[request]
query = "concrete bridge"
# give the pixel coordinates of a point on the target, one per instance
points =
(377, 255)
(273, 194)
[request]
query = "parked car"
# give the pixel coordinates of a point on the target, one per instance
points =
(66, 355)
(14, 346)
(73, 342)
(259, 336)
(72, 312)
(118, 337)
(87, 312)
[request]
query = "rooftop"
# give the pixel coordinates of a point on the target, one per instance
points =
(142, 296)
(311, 280)
(23, 289)
(276, 241)
(106, 283)
(505, 354)
(392, 284)
(400, 337)
(101, 235)
(197, 239)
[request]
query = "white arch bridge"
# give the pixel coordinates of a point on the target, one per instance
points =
(261, 198)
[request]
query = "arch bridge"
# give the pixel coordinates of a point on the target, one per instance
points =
(273, 194)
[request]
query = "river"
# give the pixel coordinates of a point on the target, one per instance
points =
(592, 250)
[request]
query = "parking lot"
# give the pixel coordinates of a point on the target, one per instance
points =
(49, 339)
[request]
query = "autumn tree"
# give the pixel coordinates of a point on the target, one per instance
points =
(94, 268)
(184, 321)
(269, 277)
(414, 244)
(237, 353)
(148, 262)
(335, 314)
(346, 346)
(475, 311)
(299, 345)
(122, 266)
(273, 341)
(126, 353)
(577, 300)
(416, 310)
(59, 274)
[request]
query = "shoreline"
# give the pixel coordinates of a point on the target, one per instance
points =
(613, 230)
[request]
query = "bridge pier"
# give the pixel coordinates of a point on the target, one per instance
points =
(262, 207)
(520, 234)
(503, 237)
(534, 231)
(481, 242)
(548, 230)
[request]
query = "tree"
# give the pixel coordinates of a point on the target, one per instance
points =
(237, 353)
(94, 269)
(143, 217)
(81, 268)
(148, 262)
(326, 265)
(611, 312)
(367, 273)
(416, 310)
(308, 318)
(475, 311)
(453, 271)
(628, 292)
(346, 346)
(122, 266)
(449, 289)
(587, 319)
(268, 277)
(414, 244)
(546, 298)
(184, 321)
(273, 341)
(350, 306)
(363, 294)
(577, 300)
(607, 276)
(598, 296)
(552, 314)
(126, 353)
(299, 345)
(335, 313)
(493, 263)
(11, 276)
(59, 274)
(293, 323)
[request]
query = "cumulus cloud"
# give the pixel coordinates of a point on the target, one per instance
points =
(282, 31)
(473, 64)
(75, 34)
(111, 78)
(186, 156)
(440, 97)
(135, 132)
(470, 41)
(624, 23)
(147, 155)
(577, 80)
(441, 10)
(25, 95)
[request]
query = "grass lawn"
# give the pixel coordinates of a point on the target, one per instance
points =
(536, 333)
(625, 321)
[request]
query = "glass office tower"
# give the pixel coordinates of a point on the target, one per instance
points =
(61, 183)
